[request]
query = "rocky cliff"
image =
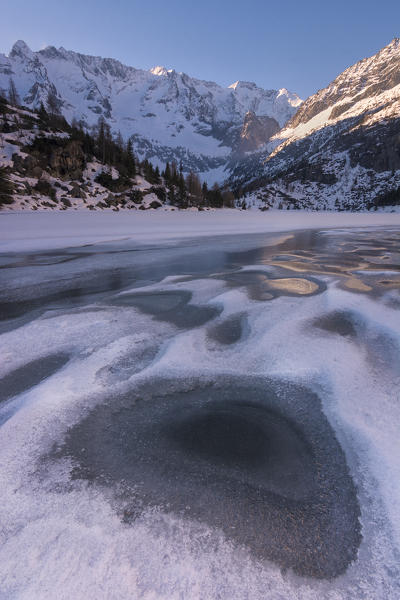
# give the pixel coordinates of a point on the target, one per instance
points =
(256, 131)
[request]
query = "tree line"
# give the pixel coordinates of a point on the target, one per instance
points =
(186, 192)
(182, 191)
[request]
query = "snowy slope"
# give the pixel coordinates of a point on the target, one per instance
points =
(341, 149)
(65, 176)
(370, 88)
(170, 115)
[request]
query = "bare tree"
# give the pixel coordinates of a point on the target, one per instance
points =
(193, 186)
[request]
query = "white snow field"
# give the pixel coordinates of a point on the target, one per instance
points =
(199, 406)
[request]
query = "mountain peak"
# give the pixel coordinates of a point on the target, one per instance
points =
(169, 115)
(21, 50)
(249, 85)
(395, 43)
(160, 71)
(393, 48)
(53, 52)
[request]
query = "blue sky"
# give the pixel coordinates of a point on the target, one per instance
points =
(298, 45)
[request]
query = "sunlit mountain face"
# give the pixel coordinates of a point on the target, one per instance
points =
(341, 149)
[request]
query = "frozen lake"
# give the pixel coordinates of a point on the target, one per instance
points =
(186, 415)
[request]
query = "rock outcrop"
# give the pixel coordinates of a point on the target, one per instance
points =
(60, 157)
(256, 131)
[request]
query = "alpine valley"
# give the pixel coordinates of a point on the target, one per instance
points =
(338, 150)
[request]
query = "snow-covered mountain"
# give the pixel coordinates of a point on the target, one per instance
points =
(171, 115)
(342, 147)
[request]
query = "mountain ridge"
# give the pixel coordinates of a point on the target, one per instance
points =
(340, 150)
(170, 115)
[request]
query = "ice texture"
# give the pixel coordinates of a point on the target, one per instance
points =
(253, 454)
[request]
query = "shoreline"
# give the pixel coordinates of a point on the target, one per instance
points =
(22, 231)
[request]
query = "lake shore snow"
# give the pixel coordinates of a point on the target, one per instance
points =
(46, 230)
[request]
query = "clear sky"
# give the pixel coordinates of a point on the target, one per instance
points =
(280, 43)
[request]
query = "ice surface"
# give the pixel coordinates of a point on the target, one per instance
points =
(230, 330)
(263, 459)
(45, 230)
(108, 489)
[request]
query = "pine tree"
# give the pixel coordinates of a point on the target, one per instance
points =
(100, 139)
(172, 195)
(157, 177)
(228, 199)
(53, 103)
(215, 196)
(13, 94)
(182, 195)
(118, 150)
(167, 173)
(103, 139)
(204, 191)
(174, 173)
(6, 188)
(5, 127)
(119, 140)
(130, 162)
(146, 169)
(88, 144)
(43, 116)
(3, 105)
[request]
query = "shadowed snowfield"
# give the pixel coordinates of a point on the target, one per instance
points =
(199, 406)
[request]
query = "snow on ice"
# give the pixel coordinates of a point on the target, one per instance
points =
(88, 495)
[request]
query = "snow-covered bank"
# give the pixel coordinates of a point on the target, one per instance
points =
(45, 230)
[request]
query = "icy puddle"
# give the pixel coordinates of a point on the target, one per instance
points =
(230, 330)
(172, 306)
(256, 459)
(212, 418)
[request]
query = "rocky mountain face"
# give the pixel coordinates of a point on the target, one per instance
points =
(170, 115)
(256, 131)
(342, 147)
